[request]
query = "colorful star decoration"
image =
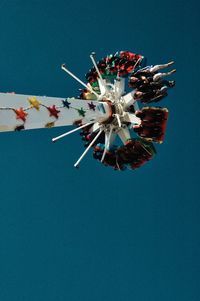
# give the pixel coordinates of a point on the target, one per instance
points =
(19, 128)
(91, 106)
(66, 103)
(21, 114)
(49, 124)
(34, 103)
(53, 111)
(81, 112)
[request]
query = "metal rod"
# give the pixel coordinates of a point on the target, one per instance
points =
(87, 149)
(63, 67)
(107, 143)
(102, 85)
(118, 120)
(137, 63)
(70, 132)
(95, 65)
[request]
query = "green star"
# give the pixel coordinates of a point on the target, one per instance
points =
(81, 112)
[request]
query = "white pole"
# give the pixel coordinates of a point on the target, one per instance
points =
(118, 119)
(87, 149)
(102, 84)
(70, 132)
(107, 144)
(136, 63)
(63, 67)
(95, 65)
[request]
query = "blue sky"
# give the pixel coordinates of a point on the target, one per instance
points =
(93, 233)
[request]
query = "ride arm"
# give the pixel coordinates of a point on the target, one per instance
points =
(23, 112)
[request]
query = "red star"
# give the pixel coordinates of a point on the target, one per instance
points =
(53, 111)
(21, 114)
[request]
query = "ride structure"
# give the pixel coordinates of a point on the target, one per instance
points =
(108, 110)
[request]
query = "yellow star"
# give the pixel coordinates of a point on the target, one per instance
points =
(34, 103)
(49, 124)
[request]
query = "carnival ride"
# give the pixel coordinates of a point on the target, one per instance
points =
(113, 112)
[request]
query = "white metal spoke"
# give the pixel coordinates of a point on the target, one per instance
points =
(118, 120)
(95, 65)
(107, 142)
(63, 67)
(124, 134)
(70, 132)
(87, 149)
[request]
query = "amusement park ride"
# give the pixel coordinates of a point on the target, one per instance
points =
(113, 106)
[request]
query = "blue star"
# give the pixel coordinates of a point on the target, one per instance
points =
(66, 103)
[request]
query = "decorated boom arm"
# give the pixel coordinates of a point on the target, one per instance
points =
(18, 112)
